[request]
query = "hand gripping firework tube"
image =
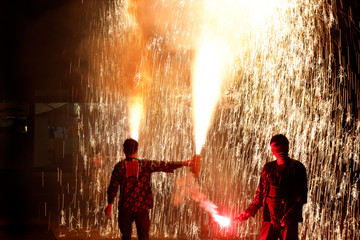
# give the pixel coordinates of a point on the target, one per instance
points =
(196, 165)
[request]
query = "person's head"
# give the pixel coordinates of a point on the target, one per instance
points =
(130, 147)
(279, 146)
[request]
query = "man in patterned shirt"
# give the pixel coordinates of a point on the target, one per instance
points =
(134, 176)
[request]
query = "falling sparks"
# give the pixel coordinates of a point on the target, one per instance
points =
(246, 70)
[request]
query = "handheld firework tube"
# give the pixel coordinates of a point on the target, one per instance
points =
(196, 165)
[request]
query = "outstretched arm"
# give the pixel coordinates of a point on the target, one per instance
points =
(258, 199)
(162, 166)
(243, 216)
(256, 203)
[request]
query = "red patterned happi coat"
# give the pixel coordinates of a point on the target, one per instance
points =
(134, 178)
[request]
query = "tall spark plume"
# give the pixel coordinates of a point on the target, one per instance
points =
(207, 85)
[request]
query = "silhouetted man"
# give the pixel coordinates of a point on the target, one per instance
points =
(133, 176)
(282, 191)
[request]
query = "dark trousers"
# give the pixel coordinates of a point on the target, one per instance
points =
(271, 231)
(142, 222)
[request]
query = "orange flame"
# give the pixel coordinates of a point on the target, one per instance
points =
(135, 111)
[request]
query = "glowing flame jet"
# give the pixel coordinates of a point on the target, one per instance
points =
(135, 113)
(207, 82)
(226, 27)
(188, 187)
(212, 209)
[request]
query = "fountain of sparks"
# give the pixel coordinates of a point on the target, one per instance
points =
(275, 59)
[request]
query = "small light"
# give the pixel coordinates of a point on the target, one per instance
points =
(26, 129)
(223, 221)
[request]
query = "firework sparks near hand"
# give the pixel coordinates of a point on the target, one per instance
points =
(188, 187)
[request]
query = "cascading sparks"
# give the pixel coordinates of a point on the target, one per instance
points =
(283, 61)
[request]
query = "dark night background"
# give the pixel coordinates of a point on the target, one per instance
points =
(38, 45)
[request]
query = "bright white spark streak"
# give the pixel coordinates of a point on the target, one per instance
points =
(207, 79)
(135, 112)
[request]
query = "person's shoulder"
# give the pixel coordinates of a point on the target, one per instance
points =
(297, 164)
(145, 162)
(270, 164)
(120, 164)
